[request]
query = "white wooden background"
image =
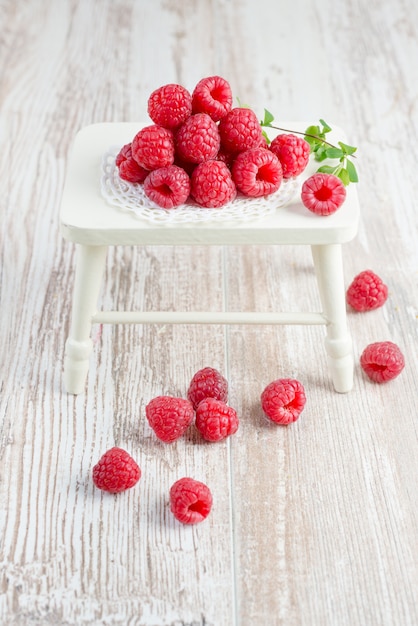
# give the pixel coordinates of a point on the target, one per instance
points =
(313, 525)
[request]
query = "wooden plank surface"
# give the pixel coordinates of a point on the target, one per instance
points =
(315, 524)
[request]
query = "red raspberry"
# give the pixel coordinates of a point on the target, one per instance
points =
(226, 157)
(185, 165)
(167, 186)
(116, 471)
(207, 383)
(128, 168)
(382, 361)
(212, 185)
(190, 500)
(153, 147)
(283, 400)
(215, 420)
(257, 172)
(213, 96)
(169, 417)
(198, 140)
(240, 130)
(169, 106)
(293, 153)
(263, 143)
(323, 193)
(367, 292)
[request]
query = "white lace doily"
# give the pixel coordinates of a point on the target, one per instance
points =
(131, 197)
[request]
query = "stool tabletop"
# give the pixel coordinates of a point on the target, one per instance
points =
(87, 218)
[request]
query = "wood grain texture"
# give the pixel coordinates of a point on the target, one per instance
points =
(315, 524)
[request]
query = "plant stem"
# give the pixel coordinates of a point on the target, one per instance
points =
(297, 132)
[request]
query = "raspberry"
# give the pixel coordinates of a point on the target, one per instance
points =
(128, 168)
(169, 417)
(212, 185)
(169, 106)
(207, 383)
(323, 194)
(116, 471)
(226, 157)
(213, 96)
(167, 186)
(215, 420)
(367, 292)
(382, 361)
(198, 140)
(283, 400)
(292, 152)
(263, 143)
(190, 500)
(185, 165)
(257, 172)
(153, 147)
(240, 130)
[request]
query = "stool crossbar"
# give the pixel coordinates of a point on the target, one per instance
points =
(93, 225)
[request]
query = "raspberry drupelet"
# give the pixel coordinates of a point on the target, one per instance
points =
(212, 185)
(293, 153)
(207, 383)
(257, 172)
(240, 130)
(215, 420)
(367, 292)
(153, 147)
(169, 417)
(128, 168)
(190, 500)
(116, 471)
(212, 95)
(198, 140)
(323, 193)
(167, 186)
(283, 400)
(170, 106)
(382, 361)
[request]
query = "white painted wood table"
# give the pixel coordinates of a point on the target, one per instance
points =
(312, 525)
(90, 222)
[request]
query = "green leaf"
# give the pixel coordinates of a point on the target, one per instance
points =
(320, 153)
(352, 172)
(312, 130)
(266, 137)
(326, 128)
(346, 148)
(312, 142)
(344, 177)
(312, 136)
(326, 169)
(268, 118)
(334, 153)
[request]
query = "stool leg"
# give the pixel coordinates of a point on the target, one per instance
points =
(329, 273)
(88, 278)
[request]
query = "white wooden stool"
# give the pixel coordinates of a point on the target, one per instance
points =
(93, 224)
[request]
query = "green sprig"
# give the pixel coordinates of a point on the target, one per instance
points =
(322, 149)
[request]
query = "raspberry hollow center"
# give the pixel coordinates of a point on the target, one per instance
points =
(217, 93)
(198, 507)
(265, 172)
(164, 189)
(376, 367)
(323, 193)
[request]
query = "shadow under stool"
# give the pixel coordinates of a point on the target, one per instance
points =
(90, 222)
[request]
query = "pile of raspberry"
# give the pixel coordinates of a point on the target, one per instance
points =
(169, 417)
(201, 149)
(282, 402)
(206, 405)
